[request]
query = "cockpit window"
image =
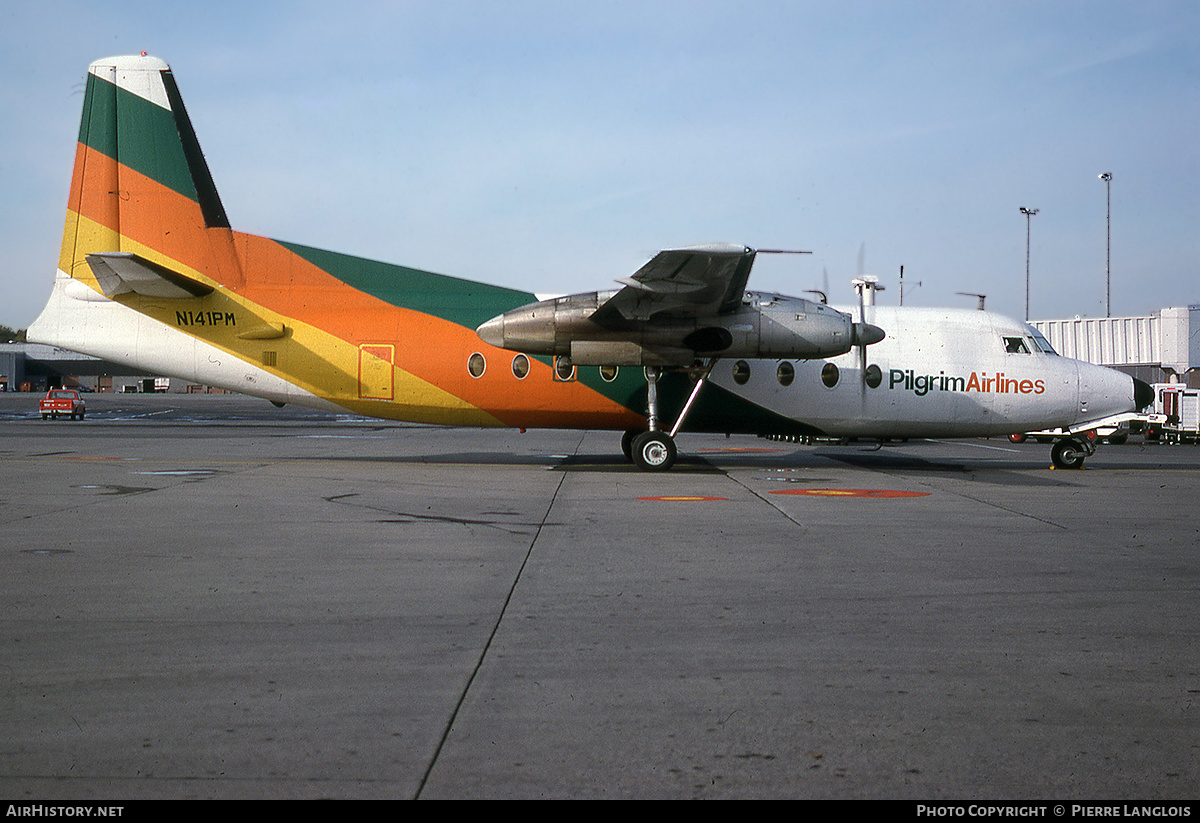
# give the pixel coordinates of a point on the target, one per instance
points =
(1015, 345)
(1043, 344)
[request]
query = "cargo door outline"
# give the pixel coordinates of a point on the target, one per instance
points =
(375, 378)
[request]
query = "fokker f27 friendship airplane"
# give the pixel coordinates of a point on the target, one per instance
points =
(152, 276)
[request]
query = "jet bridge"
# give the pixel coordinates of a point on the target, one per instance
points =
(1165, 342)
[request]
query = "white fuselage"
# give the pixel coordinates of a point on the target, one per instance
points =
(942, 373)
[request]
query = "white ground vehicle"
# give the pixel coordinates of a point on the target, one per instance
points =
(1179, 407)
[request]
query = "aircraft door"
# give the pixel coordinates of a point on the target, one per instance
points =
(1085, 388)
(375, 362)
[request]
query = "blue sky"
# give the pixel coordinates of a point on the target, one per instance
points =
(555, 146)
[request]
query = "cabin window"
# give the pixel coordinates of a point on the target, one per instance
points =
(741, 372)
(874, 376)
(786, 373)
(609, 373)
(830, 375)
(520, 366)
(1015, 345)
(476, 365)
(563, 369)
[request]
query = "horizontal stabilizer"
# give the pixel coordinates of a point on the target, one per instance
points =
(123, 273)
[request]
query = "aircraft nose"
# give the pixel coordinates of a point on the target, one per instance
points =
(1143, 394)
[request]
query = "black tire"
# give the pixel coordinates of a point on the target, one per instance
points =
(627, 442)
(1018, 438)
(654, 451)
(1068, 453)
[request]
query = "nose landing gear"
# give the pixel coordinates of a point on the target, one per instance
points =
(1070, 452)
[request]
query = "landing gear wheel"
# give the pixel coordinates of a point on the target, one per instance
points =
(1068, 453)
(1018, 438)
(654, 451)
(627, 442)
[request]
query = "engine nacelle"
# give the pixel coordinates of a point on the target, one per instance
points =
(764, 326)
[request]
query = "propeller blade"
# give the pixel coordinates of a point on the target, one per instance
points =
(862, 348)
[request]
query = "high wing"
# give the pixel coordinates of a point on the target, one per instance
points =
(682, 305)
(696, 282)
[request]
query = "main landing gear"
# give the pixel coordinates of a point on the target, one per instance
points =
(654, 450)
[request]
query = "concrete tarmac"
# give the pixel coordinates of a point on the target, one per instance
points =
(207, 597)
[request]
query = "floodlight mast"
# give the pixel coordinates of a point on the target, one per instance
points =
(1107, 178)
(1029, 213)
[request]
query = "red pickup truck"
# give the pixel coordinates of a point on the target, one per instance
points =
(62, 401)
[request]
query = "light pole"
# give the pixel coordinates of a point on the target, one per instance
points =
(1107, 178)
(1029, 213)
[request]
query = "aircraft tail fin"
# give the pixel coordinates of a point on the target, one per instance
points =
(141, 185)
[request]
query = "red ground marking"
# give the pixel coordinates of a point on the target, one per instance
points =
(681, 498)
(852, 493)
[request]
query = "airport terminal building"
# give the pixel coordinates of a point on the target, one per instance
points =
(33, 367)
